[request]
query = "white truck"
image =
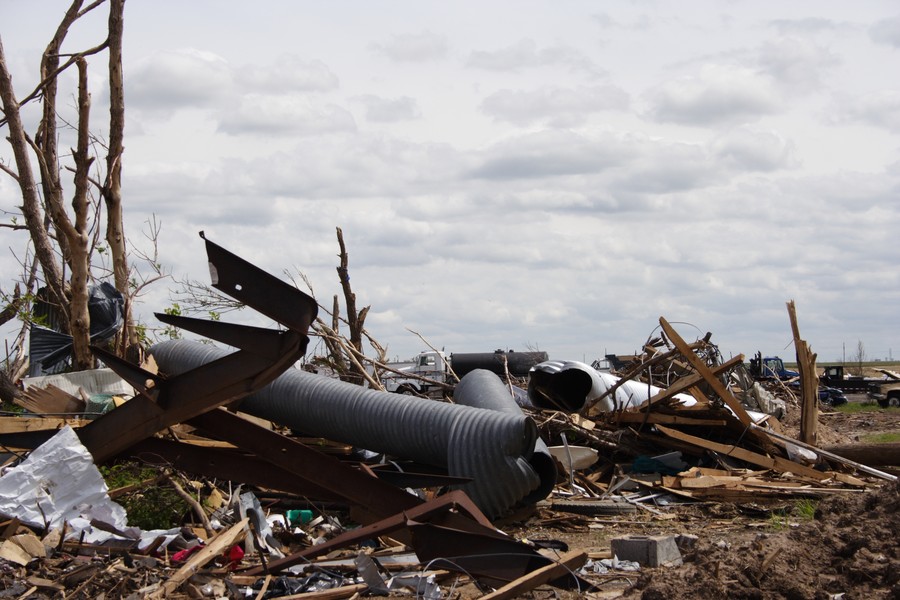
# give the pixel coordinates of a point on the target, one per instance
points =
(431, 373)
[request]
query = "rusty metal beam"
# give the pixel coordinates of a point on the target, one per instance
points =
(226, 464)
(164, 401)
(345, 482)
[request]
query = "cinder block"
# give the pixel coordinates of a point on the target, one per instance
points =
(648, 550)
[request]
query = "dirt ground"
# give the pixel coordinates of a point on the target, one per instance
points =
(847, 549)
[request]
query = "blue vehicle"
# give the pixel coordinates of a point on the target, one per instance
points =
(770, 367)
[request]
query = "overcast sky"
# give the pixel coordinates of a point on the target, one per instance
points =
(521, 174)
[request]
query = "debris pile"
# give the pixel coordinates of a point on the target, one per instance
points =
(296, 485)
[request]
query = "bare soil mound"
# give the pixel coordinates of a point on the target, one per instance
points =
(849, 550)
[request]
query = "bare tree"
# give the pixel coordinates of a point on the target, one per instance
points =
(64, 239)
(858, 358)
(344, 354)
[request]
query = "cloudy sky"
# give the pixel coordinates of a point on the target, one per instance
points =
(521, 174)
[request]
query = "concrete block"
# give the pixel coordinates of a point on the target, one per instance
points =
(648, 550)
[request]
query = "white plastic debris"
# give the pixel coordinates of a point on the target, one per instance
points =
(58, 482)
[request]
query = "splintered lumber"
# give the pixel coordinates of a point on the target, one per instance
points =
(347, 591)
(704, 371)
(568, 563)
(50, 401)
(782, 465)
(660, 418)
(686, 383)
(809, 381)
(197, 560)
(841, 459)
(22, 424)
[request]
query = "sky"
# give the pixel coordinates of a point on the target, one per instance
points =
(519, 175)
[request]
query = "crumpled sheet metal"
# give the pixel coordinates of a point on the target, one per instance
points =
(491, 447)
(571, 385)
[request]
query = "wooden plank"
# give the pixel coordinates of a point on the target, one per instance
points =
(347, 591)
(809, 382)
(704, 371)
(197, 560)
(686, 383)
(22, 424)
(654, 418)
(707, 481)
(782, 465)
(50, 400)
(825, 453)
(568, 563)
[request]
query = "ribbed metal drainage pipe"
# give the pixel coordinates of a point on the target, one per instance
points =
(571, 385)
(484, 389)
(489, 446)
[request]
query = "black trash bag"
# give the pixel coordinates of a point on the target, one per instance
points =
(50, 351)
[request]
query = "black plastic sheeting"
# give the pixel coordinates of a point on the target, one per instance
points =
(492, 447)
(50, 351)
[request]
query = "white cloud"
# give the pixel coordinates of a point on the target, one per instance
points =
(719, 94)
(549, 154)
(796, 62)
(804, 26)
(525, 54)
(879, 109)
(555, 106)
(285, 115)
(752, 149)
(886, 31)
(494, 181)
(288, 73)
(410, 47)
(186, 78)
(389, 110)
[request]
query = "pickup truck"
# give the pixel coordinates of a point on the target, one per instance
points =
(886, 392)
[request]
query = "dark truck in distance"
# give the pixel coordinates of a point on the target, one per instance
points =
(834, 376)
(885, 390)
(772, 367)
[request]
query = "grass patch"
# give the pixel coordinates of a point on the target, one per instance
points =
(887, 437)
(863, 407)
(153, 507)
(805, 509)
(786, 517)
(858, 407)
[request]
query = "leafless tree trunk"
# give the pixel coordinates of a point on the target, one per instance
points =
(32, 210)
(858, 358)
(355, 320)
(129, 345)
(63, 239)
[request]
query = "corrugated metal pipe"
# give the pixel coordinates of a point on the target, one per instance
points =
(484, 389)
(571, 385)
(489, 446)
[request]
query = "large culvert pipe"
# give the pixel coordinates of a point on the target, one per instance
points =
(489, 446)
(484, 389)
(570, 385)
(499, 362)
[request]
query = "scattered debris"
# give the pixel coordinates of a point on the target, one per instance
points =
(308, 486)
